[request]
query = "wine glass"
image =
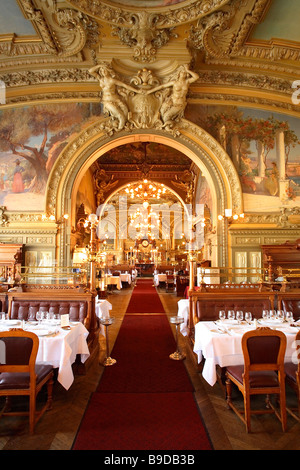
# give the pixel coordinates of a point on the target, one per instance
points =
(39, 316)
(248, 317)
(272, 314)
(239, 316)
(289, 317)
(231, 314)
(280, 315)
(265, 314)
(222, 315)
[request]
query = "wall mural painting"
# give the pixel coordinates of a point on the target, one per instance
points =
(264, 147)
(31, 138)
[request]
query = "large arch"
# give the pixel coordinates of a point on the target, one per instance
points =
(212, 160)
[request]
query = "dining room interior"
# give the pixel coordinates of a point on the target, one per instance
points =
(149, 220)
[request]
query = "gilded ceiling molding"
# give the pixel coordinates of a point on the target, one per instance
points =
(37, 18)
(64, 33)
(143, 37)
(256, 81)
(241, 99)
(224, 34)
(259, 66)
(270, 51)
(45, 76)
(167, 17)
(145, 30)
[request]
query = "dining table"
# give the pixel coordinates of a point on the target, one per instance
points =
(125, 277)
(219, 343)
(114, 281)
(58, 346)
(159, 278)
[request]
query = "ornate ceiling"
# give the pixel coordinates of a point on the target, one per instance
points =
(48, 46)
(246, 52)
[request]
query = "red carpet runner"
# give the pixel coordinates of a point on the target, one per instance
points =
(145, 401)
(144, 298)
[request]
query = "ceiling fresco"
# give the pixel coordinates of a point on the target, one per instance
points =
(281, 22)
(12, 20)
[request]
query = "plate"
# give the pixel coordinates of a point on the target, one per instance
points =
(43, 332)
(270, 322)
(10, 322)
(227, 322)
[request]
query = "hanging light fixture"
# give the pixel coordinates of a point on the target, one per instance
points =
(145, 190)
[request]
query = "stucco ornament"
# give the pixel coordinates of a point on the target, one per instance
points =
(145, 102)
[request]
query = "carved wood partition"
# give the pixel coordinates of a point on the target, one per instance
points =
(11, 260)
(249, 295)
(282, 260)
(55, 294)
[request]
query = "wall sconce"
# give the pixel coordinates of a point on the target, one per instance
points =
(229, 217)
(51, 218)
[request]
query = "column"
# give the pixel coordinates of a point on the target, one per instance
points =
(280, 156)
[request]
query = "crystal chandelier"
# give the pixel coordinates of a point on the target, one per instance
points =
(142, 220)
(145, 190)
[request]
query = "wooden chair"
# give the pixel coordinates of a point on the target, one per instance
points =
(292, 377)
(170, 282)
(261, 374)
(21, 375)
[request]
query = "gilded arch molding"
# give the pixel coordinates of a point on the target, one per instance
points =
(190, 139)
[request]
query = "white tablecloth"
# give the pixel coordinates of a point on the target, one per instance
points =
(125, 278)
(61, 349)
(183, 311)
(114, 280)
(224, 349)
(159, 278)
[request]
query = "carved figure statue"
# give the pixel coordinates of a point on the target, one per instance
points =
(112, 101)
(103, 184)
(174, 104)
(187, 184)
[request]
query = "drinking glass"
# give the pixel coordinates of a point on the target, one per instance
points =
(239, 316)
(280, 315)
(39, 316)
(222, 315)
(272, 314)
(266, 314)
(231, 314)
(248, 317)
(289, 317)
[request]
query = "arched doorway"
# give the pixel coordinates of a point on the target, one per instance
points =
(191, 140)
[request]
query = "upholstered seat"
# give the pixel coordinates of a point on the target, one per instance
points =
(21, 375)
(208, 309)
(261, 374)
(292, 371)
(26, 310)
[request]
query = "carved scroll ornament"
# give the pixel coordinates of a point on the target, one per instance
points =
(144, 103)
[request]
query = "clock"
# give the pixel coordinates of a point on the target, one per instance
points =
(145, 243)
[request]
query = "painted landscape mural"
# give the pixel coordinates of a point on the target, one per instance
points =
(31, 139)
(264, 147)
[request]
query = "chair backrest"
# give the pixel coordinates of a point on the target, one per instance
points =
(297, 341)
(18, 351)
(263, 349)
